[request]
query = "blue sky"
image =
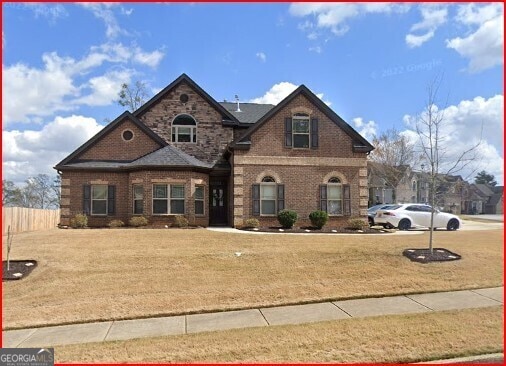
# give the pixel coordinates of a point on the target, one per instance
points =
(63, 65)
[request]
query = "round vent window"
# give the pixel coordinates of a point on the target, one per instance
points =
(183, 98)
(127, 135)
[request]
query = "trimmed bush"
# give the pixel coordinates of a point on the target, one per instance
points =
(318, 218)
(137, 221)
(79, 221)
(180, 221)
(116, 223)
(287, 218)
(251, 223)
(357, 224)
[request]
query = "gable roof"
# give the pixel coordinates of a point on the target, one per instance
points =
(185, 78)
(103, 132)
(485, 189)
(303, 90)
(169, 156)
(250, 112)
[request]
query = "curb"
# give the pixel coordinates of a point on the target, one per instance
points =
(470, 359)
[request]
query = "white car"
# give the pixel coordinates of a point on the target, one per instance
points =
(415, 215)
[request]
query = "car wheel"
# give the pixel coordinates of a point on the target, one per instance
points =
(453, 225)
(404, 224)
(371, 221)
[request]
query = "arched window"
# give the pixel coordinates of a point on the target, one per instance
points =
(334, 196)
(268, 197)
(414, 186)
(184, 129)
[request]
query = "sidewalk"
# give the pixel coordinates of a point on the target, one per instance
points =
(260, 317)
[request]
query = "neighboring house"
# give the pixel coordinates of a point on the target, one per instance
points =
(483, 199)
(183, 153)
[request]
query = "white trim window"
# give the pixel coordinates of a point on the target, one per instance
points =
(301, 131)
(168, 199)
(334, 197)
(138, 199)
(184, 129)
(199, 200)
(99, 199)
(268, 196)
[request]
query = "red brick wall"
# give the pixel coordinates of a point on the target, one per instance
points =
(269, 139)
(72, 195)
(113, 147)
(290, 166)
(212, 137)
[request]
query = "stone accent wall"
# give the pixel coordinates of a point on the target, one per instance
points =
(212, 137)
(72, 203)
(113, 147)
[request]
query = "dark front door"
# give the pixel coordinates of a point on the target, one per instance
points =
(218, 202)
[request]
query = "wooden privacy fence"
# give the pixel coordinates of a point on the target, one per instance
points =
(28, 219)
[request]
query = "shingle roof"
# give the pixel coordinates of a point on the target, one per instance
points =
(169, 156)
(250, 112)
(485, 189)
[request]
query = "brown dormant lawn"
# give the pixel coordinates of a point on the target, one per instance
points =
(103, 274)
(398, 338)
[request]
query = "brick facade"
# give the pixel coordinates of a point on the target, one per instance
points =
(212, 137)
(301, 171)
(114, 147)
(72, 195)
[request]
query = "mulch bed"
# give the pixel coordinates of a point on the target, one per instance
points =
(313, 230)
(424, 256)
(16, 267)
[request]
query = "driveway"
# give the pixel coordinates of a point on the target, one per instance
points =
(476, 225)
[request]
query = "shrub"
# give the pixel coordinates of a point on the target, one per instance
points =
(287, 218)
(137, 221)
(251, 223)
(180, 221)
(318, 218)
(357, 224)
(116, 223)
(79, 221)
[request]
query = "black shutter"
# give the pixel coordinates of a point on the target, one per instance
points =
(323, 197)
(281, 197)
(314, 133)
(111, 200)
(288, 132)
(86, 199)
(347, 200)
(255, 196)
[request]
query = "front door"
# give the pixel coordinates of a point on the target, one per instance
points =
(218, 202)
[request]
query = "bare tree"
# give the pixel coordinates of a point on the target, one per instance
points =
(392, 153)
(436, 149)
(133, 96)
(40, 191)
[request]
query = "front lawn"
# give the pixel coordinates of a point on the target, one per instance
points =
(385, 339)
(103, 274)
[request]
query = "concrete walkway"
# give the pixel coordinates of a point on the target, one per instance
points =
(260, 317)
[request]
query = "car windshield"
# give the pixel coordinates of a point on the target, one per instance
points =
(373, 209)
(391, 207)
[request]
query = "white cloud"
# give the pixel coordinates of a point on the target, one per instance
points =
(105, 12)
(463, 126)
(474, 14)
(280, 91)
(30, 152)
(30, 93)
(261, 56)
(50, 12)
(367, 129)
(432, 18)
(335, 16)
(484, 47)
(151, 59)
